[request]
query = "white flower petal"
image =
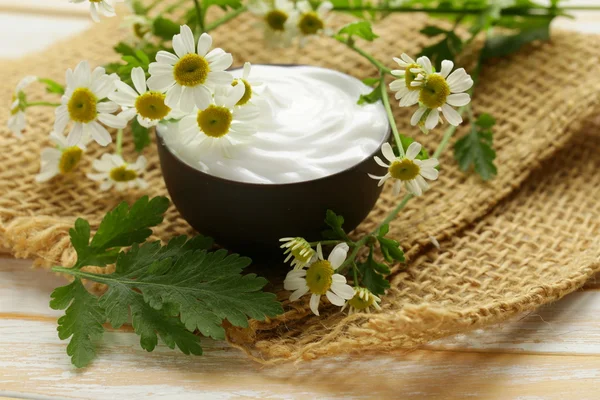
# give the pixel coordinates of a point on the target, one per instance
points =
(299, 293)
(335, 299)
(166, 58)
(413, 150)
(388, 153)
(417, 116)
(432, 119)
(451, 115)
(459, 99)
(338, 255)
(138, 76)
(447, 66)
(204, 43)
(314, 303)
(343, 290)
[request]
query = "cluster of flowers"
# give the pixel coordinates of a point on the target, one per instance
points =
(315, 275)
(212, 109)
(284, 20)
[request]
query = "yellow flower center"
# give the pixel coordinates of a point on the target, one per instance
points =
(152, 105)
(191, 70)
(70, 159)
(276, 20)
(310, 23)
(361, 304)
(215, 121)
(247, 94)
(140, 30)
(319, 277)
(409, 77)
(82, 106)
(122, 174)
(405, 169)
(435, 91)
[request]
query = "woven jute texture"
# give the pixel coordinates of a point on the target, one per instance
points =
(526, 238)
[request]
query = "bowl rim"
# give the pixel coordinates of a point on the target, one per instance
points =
(386, 138)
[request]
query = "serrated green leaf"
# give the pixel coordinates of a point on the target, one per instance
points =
(371, 81)
(371, 275)
(361, 29)
(121, 227)
(391, 249)
(336, 223)
(475, 148)
(141, 135)
(371, 97)
(82, 321)
(52, 86)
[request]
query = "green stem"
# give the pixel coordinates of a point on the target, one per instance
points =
(119, 142)
(199, 16)
(226, 18)
(350, 259)
(390, 114)
(366, 55)
(326, 242)
(355, 272)
(42, 103)
(395, 211)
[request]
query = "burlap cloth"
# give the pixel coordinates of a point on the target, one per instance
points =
(526, 238)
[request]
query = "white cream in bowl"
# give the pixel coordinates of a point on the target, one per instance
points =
(313, 128)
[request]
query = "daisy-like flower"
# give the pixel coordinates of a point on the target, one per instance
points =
(411, 76)
(222, 124)
(84, 105)
(189, 75)
(139, 26)
(407, 170)
(59, 160)
(298, 249)
(17, 122)
(249, 85)
(362, 301)
(311, 22)
(278, 19)
(439, 92)
(114, 171)
(320, 279)
(98, 7)
(148, 106)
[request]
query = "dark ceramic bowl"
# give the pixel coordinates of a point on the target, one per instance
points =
(250, 218)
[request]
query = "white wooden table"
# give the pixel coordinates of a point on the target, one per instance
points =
(551, 354)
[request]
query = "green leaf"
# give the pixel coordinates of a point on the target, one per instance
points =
(361, 29)
(82, 321)
(503, 45)
(431, 31)
(124, 49)
(371, 81)
(223, 4)
(371, 275)
(391, 249)
(446, 49)
(165, 28)
(141, 135)
(121, 227)
(475, 148)
(335, 222)
(372, 97)
(52, 86)
(407, 141)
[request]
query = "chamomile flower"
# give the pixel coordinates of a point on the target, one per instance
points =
(98, 7)
(148, 106)
(140, 27)
(311, 22)
(407, 170)
(362, 301)
(278, 19)
(439, 92)
(113, 171)
(298, 249)
(59, 160)
(320, 279)
(84, 105)
(17, 122)
(249, 85)
(412, 72)
(189, 76)
(222, 124)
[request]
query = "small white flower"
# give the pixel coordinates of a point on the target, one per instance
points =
(439, 92)
(17, 122)
(61, 159)
(362, 301)
(83, 104)
(320, 279)
(311, 22)
(278, 20)
(98, 7)
(298, 249)
(407, 170)
(249, 85)
(148, 106)
(114, 171)
(189, 76)
(139, 26)
(411, 76)
(221, 125)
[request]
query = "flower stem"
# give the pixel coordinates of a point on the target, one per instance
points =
(366, 55)
(390, 114)
(199, 17)
(226, 18)
(119, 149)
(355, 272)
(43, 103)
